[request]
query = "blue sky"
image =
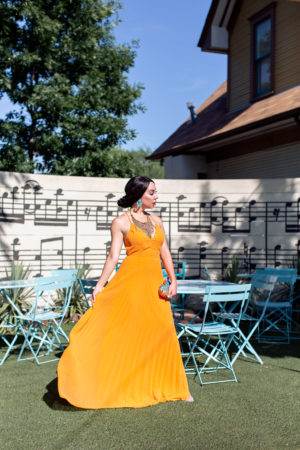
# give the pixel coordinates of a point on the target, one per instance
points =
(169, 64)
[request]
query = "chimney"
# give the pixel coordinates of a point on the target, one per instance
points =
(191, 107)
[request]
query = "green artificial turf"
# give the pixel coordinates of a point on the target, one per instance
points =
(261, 411)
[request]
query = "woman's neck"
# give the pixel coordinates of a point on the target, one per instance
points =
(138, 213)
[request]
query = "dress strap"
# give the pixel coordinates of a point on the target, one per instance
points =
(129, 217)
(155, 221)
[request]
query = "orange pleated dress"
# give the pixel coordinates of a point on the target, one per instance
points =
(124, 351)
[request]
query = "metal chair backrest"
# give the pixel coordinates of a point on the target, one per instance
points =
(58, 280)
(262, 285)
(64, 272)
(283, 275)
(288, 276)
(87, 287)
(207, 273)
(179, 268)
(224, 294)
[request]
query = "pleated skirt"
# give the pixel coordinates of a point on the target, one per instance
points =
(124, 351)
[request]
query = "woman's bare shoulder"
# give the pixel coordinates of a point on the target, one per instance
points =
(157, 219)
(121, 221)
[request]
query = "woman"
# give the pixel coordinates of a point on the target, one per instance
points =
(124, 351)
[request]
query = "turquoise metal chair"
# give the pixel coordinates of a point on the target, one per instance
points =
(6, 326)
(180, 269)
(87, 287)
(10, 331)
(41, 326)
(16, 319)
(277, 324)
(207, 273)
(209, 341)
(262, 285)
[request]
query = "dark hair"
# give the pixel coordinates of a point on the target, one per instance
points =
(135, 188)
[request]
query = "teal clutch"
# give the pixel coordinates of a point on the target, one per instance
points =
(164, 288)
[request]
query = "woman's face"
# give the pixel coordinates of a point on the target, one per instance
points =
(150, 196)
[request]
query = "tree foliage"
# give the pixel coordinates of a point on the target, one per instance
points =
(112, 163)
(60, 63)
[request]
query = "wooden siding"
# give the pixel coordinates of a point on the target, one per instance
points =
(280, 162)
(287, 52)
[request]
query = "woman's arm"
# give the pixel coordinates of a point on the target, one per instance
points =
(168, 263)
(112, 258)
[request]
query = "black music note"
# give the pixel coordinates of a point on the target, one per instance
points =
(7, 212)
(238, 219)
(105, 224)
(179, 250)
(196, 218)
(16, 253)
(87, 212)
(85, 251)
(276, 212)
(292, 217)
(277, 248)
(223, 264)
(53, 214)
(251, 266)
(100, 225)
(202, 254)
(107, 247)
(51, 252)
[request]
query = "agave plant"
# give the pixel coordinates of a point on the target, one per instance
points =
(19, 296)
(232, 270)
(77, 304)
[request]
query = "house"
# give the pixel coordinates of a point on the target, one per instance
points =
(250, 126)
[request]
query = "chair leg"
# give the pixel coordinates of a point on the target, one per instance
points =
(218, 354)
(10, 346)
(246, 343)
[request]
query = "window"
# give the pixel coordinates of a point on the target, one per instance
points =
(262, 53)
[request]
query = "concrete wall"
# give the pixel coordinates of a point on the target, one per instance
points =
(52, 221)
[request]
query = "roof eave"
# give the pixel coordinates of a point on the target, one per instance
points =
(200, 143)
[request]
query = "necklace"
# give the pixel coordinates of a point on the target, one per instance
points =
(146, 227)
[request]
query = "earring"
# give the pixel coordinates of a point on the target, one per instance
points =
(139, 203)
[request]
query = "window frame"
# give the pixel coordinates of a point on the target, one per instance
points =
(266, 13)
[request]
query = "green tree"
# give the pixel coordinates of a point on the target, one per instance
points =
(146, 167)
(113, 163)
(60, 63)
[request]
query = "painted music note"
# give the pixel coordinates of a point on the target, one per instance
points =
(50, 249)
(16, 253)
(8, 208)
(277, 248)
(53, 212)
(85, 251)
(292, 217)
(237, 219)
(196, 218)
(223, 263)
(104, 223)
(202, 254)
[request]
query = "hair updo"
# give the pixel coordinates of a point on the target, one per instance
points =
(134, 189)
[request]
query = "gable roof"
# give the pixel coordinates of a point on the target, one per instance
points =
(214, 123)
(219, 20)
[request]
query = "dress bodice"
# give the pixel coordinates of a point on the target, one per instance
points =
(137, 242)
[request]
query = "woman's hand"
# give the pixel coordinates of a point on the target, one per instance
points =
(172, 289)
(98, 288)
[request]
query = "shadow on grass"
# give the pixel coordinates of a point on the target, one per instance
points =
(54, 401)
(276, 351)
